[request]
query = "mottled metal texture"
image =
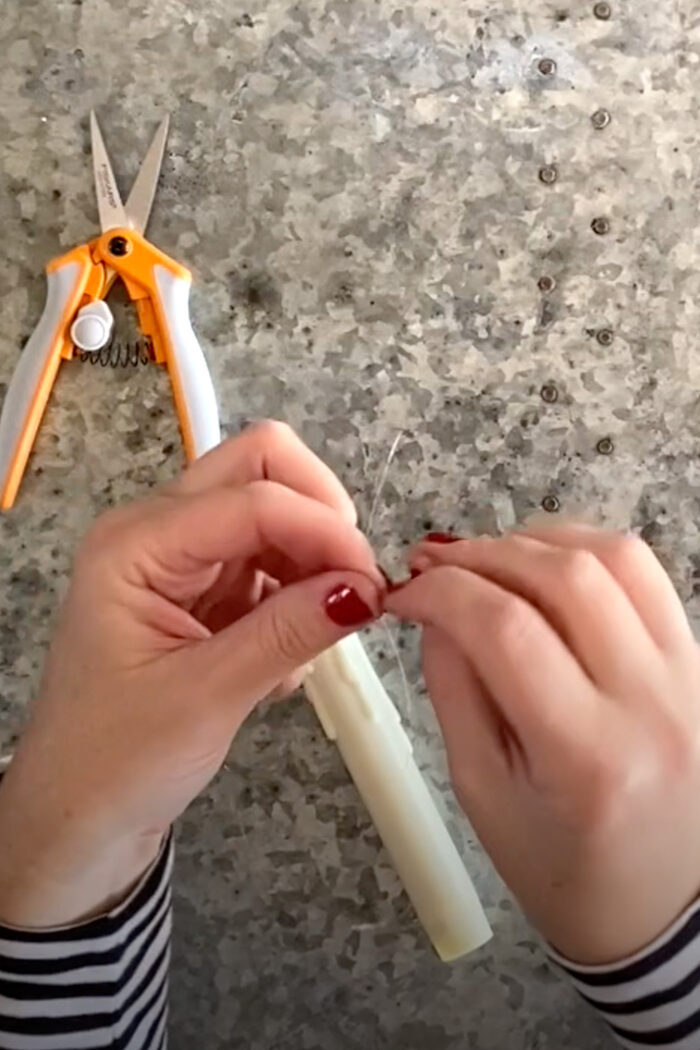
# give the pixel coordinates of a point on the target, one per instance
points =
(391, 212)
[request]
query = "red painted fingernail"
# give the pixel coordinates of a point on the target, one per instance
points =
(345, 607)
(441, 537)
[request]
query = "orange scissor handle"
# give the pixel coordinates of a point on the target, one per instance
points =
(160, 289)
(69, 280)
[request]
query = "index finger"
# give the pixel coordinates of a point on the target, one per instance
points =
(175, 538)
(531, 675)
(636, 568)
(269, 451)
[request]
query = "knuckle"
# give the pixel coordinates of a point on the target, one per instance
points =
(598, 809)
(579, 569)
(284, 637)
(628, 554)
(273, 433)
(448, 576)
(445, 585)
(678, 747)
(512, 622)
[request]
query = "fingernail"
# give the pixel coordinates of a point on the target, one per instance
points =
(415, 573)
(345, 607)
(441, 537)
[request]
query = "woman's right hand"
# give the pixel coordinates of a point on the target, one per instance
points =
(567, 683)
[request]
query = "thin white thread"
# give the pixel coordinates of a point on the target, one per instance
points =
(381, 483)
(405, 685)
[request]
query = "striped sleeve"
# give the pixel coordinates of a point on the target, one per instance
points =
(653, 998)
(102, 983)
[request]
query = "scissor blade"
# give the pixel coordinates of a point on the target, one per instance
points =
(109, 203)
(140, 200)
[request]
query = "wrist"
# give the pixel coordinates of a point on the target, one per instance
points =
(55, 871)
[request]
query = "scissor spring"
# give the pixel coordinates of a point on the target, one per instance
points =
(121, 355)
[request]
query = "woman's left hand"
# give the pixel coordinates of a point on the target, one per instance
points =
(184, 611)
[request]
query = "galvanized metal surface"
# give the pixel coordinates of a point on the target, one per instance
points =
(401, 217)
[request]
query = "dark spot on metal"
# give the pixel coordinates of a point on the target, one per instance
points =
(547, 315)
(550, 504)
(651, 533)
(602, 10)
(546, 283)
(605, 447)
(547, 67)
(549, 393)
(601, 225)
(600, 119)
(549, 174)
(343, 293)
(605, 336)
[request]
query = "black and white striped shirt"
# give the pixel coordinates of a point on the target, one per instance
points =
(652, 998)
(99, 984)
(104, 983)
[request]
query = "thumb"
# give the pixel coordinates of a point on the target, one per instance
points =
(247, 660)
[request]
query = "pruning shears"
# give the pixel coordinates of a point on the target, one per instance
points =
(76, 317)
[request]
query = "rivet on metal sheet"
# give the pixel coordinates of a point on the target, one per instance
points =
(602, 10)
(605, 447)
(600, 119)
(546, 283)
(605, 336)
(549, 393)
(550, 504)
(547, 67)
(548, 174)
(601, 225)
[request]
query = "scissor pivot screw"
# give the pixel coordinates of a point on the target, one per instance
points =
(119, 246)
(550, 504)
